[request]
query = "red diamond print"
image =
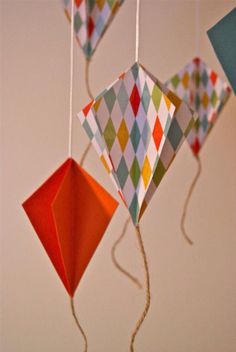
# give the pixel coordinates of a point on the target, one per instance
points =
(90, 27)
(78, 2)
(196, 147)
(87, 108)
(213, 77)
(191, 97)
(157, 133)
(135, 99)
(196, 60)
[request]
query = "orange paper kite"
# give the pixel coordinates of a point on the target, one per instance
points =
(70, 213)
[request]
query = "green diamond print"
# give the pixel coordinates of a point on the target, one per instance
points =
(109, 134)
(135, 172)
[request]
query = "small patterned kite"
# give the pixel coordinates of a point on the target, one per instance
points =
(205, 92)
(91, 19)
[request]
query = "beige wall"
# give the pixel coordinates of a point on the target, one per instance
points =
(193, 289)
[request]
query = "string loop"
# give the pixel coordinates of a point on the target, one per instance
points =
(190, 192)
(87, 66)
(115, 261)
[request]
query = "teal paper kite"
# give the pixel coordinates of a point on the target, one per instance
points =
(223, 39)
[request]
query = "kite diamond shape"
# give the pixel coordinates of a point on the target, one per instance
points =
(70, 213)
(91, 19)
(137, 125)
(205, 92)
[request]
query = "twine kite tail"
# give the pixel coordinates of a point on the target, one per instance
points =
(190, 192)
(78, 325)
(115, 261)
(148, 291)
(85, 153)
(87, 65)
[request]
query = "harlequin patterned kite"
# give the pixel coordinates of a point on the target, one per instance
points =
(205, 92)
(136, 125)
(91, 19)
(70, 213)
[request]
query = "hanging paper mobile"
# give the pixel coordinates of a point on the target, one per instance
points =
(223, 39)
(206, 93)
(91, 19)
(70, 213)
(136, 125)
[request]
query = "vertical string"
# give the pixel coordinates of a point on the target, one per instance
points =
(71, 78)
(197, 27)
(137, 31)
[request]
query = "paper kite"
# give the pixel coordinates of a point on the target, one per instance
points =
(91, 19)
(205, 92)
(70, 213)
(136, 125)
(223, 39)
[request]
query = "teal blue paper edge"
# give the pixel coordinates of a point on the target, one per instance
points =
(223, 39)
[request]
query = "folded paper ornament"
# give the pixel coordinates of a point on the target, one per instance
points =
(223, 39)
(91, 19)
(70, 213)
(137, 126)
(205, 92)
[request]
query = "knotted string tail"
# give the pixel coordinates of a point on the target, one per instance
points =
(182, 223)
(115, 261)
(148, 292)
(87, 65)
(78, 324)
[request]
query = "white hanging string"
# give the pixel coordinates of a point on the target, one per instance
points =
(197, 27)
(71, 79)
(137, 31)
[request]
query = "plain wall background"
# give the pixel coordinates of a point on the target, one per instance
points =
(193, 288)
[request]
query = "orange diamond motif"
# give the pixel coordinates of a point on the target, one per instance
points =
(205, 100)
(157, 133)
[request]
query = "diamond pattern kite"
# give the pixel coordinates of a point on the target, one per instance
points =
(136, 125)
(205, 92)
(70, 213)
(91, 19)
